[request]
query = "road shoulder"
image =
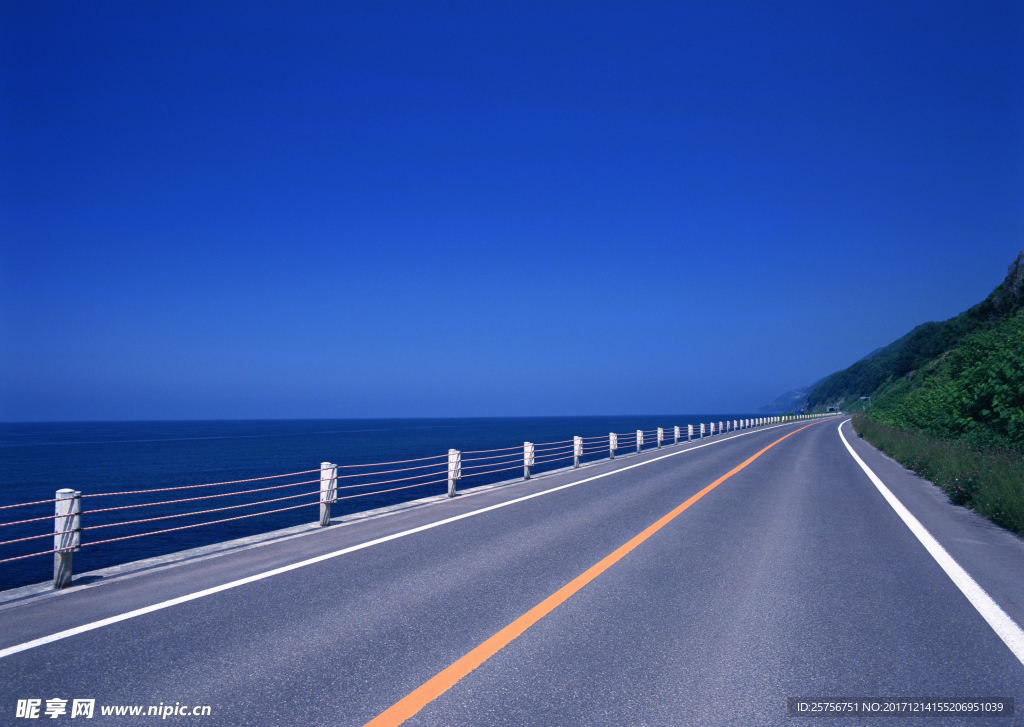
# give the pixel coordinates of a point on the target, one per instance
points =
(993, 556)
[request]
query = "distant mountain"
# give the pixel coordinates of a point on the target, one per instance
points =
(791, 401)
(989, 331)
(795, 401)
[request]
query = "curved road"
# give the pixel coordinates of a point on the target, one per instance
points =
(791, 577)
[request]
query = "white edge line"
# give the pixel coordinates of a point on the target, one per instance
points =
(327, 556)
(1004, 626)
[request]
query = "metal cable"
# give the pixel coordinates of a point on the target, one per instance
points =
(231, 519)
(518, 459)
(209, 484)
(393, 489)
(35, 519)
(388, 472)
(268, 477)
(37, 502)
(36, 537)
(379, 464)
(30, 555)
(552, 456)
(504, 469)
(388, 482)
(196, 525)
(198, 512)
(553, 449)
(308, 482)
(493, 456)
(194, 499)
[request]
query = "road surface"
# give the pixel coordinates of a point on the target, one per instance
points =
(791, 577)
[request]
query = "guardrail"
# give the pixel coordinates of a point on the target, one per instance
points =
(324, 486)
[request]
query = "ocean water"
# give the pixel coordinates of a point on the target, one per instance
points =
(141, 457)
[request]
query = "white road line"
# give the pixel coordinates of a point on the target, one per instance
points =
(1004, 626)
(327, 556)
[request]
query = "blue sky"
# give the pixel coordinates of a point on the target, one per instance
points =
(255, 210)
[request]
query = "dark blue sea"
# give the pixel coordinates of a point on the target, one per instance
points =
(98, 458)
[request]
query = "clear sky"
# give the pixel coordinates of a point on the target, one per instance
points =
(377, 209)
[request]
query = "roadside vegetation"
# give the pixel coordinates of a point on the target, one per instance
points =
(988, 480)
(948, 402)
(973, 393)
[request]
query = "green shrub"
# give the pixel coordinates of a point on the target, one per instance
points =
(988, 480)
(974, 392)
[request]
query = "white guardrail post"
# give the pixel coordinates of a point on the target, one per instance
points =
(701, 430)
(613, 444)
(328, 491)
(639, 440)
(577, 451)
(661, 436)
(527, 459)
(66, 534)
(689, 432)
(676, 432)
(454, 469)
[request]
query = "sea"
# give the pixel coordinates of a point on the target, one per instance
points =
(165, 473)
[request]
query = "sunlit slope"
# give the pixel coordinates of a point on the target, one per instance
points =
(961, 378)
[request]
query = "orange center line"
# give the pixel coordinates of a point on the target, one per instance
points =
(437, 685)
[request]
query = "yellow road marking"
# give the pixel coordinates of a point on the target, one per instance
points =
(433, 688)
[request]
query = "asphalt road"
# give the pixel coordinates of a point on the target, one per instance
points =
(791, 578)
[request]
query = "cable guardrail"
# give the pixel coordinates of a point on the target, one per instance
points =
(437, 470)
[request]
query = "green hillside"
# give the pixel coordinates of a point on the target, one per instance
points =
(948, 402)
(974, 392)
(961, 378)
